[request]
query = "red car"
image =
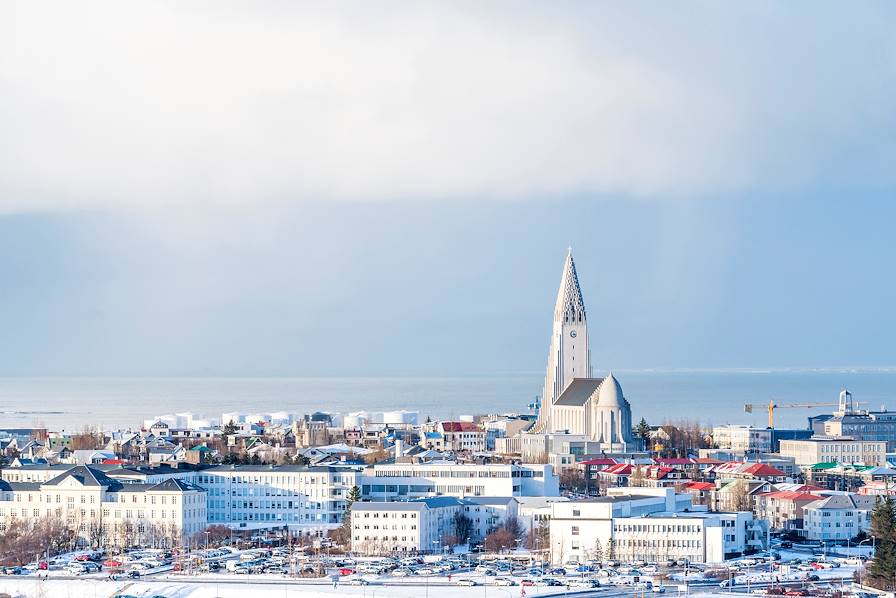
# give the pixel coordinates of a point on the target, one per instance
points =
(83, 557)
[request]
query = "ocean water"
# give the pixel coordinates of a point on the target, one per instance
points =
(710, 397)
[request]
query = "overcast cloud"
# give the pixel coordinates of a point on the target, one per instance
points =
(107, 103)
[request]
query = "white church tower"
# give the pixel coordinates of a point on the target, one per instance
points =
(569, 356)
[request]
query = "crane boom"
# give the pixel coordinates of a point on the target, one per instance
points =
(771, 406)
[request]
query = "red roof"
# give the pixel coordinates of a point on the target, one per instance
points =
(619, 469)
(699, 486)
(658, 473)
(788, 495)
(114, 462)
(763, 469)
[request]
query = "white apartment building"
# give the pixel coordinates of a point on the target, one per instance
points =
(105, 512)
(744, 439)
(654, 524)
(423, 524)
(828, 449)
(312, 500)
(305, 499)
(838, 517)
(402, 481)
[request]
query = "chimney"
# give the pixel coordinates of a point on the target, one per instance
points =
(399, 448)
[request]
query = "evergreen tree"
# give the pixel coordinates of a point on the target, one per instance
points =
(598, 552)
(230, 429)
(354, 495)
(642, 430)
(882, 570)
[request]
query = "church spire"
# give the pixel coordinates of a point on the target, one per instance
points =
(570, 305)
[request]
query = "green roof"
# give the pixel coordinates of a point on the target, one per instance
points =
(825, 465)
(202, 448)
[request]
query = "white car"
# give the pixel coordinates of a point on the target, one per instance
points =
(503, 581)
(359, 582)
(466, 582)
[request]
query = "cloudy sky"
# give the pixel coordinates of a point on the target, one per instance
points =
(244, 188)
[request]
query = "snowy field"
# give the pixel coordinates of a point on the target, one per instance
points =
(57, 588)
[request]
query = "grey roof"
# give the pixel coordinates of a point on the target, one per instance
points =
(41, 467)
(276, 468)
(86, 475)
(417, 504)
(19, 486)
(174, 485)
(490, 500)
(579, 391)
(844, 501)
(388, 506)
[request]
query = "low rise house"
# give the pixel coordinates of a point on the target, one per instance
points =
(701, 492)
(838, 517)
(455, 436)
(737, 495)
(783, 510)
(745, 470)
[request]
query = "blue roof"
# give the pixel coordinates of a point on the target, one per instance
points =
(433, 435)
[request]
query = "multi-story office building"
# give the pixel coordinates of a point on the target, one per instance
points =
(828, 449)
(424, 524)
(309, 499)
(312, 500)
(404, 481)
(743, 439)
(649, 523)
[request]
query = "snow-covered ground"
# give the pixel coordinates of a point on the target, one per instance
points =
(57, 588)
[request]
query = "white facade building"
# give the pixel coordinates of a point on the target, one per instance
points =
(653, 524)
(838, 517)
(572, 401)
(304, 499)
(403, 481)
(568, 357)
(740, 438)
(425, 524)
(105, 512)
(827, 449)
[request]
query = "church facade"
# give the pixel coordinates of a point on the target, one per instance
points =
(573, 401)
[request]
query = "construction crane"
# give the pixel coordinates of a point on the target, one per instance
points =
(771, 406)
